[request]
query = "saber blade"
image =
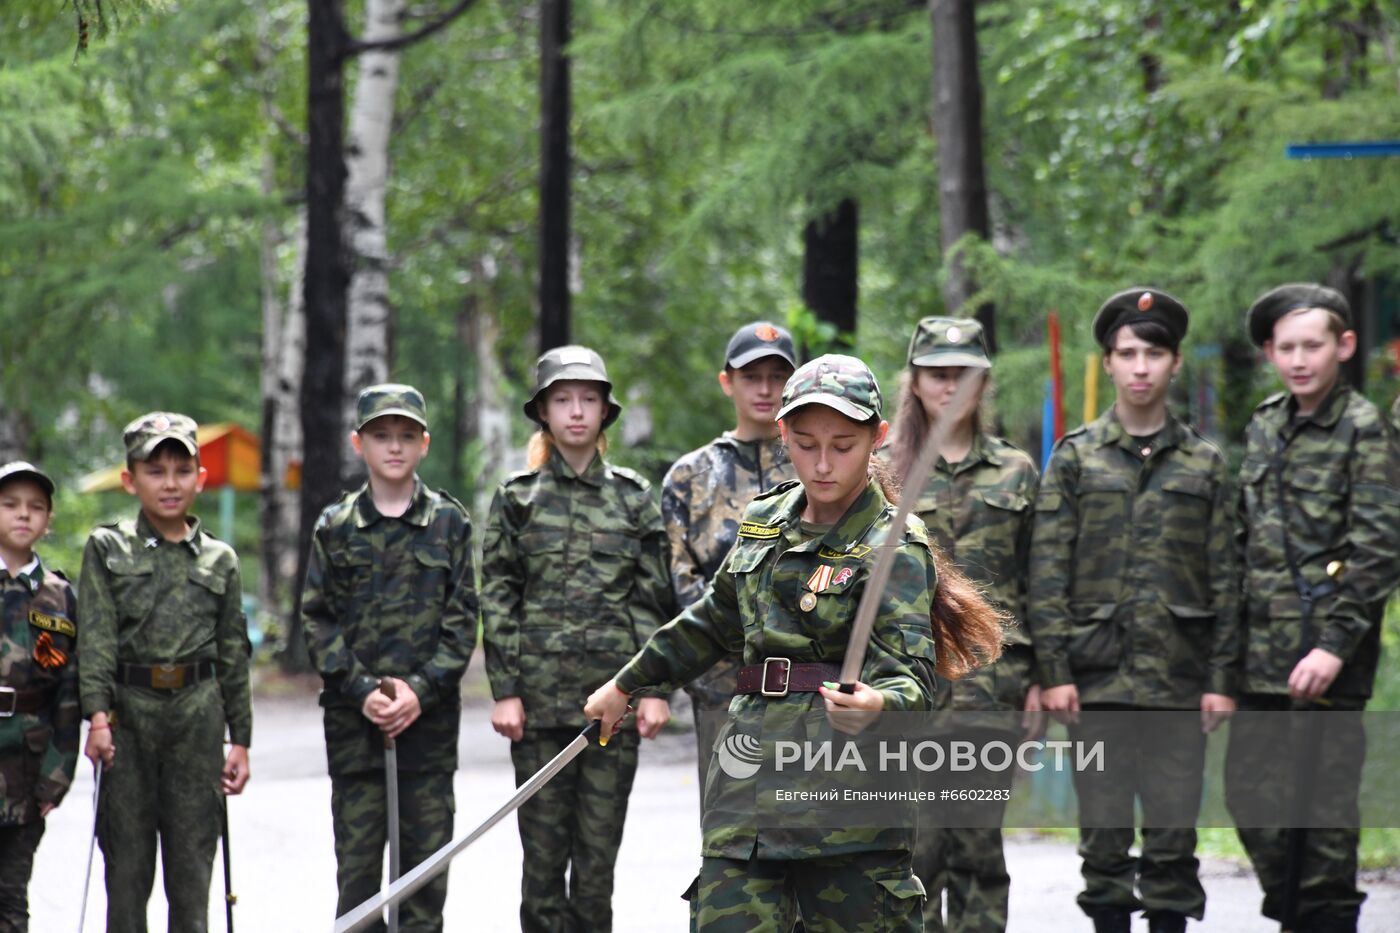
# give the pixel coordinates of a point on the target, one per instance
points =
(92, 844)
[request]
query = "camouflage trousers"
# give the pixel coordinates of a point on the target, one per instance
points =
(710, 694)
(573, 825)
(1160, 767)
(862, 892)
(360, 816)
(17, 845)
(1327, 888)
(163, 782)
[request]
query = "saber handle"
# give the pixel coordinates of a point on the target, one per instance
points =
(386, 687)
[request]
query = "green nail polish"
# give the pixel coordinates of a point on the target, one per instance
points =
(830, 686)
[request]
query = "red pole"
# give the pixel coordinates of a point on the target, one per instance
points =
(1056, 377)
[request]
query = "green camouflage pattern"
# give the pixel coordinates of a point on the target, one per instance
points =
(17, 846)
(752, 606)
(39, 750)
(426, 810)
(1341, 467)
(143, 435)
(949, 341)
(1395, 413)
(390, 398)
(703, 498)
(572, 826)
(570, 363)
(391, 597)
(1133, 587)
(970, 866)
(574, 581)
(858, 892)
(840, 382)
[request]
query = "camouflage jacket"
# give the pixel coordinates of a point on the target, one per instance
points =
(978, 511)
(703, 498)
(752, 606)
(1341, 470)
(573, 582)
(147, 600)
(38, 651)
(1133, 589)
(391, 597)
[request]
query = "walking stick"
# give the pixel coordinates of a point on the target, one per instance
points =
(97, 770)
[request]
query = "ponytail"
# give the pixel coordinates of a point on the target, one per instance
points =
(967, 630)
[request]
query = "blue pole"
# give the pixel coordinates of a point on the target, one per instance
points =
(1047, 426)
(1344, 150)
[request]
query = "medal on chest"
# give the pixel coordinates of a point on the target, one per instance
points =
(823, 579)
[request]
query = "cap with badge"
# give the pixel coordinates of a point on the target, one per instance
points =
(390, 398)
(948, 341)
(148, 432)
(753, 342)
(20, 469)
(836, 381)
(1296, 296)
(1139, 305)
(570, 363)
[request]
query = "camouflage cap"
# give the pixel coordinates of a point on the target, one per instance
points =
(20, 469)
(753, 342)
(1140, 304)
(143, 435)
(570, 363)
(390, 398)
(1296, 296)
(840, 382)
(948, 341)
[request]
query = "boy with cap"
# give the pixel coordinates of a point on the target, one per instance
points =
(39, 714)
(390, 610)
(165, 671)
(705, 492)
(1318, 539)
(1132, 605)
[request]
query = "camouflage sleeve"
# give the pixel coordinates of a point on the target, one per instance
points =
(1227, 640)
(902, 640)
(650, 605)
(60, 759)
(687, 579)
(1374, 535)
(322, 599)
(456, 636)
(690, 644)
(1030, 484)
(233, 649)
(1053, 540)
(502, 589)
(97, 636)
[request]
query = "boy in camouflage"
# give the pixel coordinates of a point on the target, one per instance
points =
(704, 495)
(165, 671)
(391, 596)
(39, 714)
(574, 581)
(977, 506)
(1319, 510)
(1133, 607)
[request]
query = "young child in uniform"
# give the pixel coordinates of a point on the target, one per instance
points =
(786, 598)
(390, 611)
(39, 714)
(164, 675)
(1319, 505)
(574, 582)
(977, 506)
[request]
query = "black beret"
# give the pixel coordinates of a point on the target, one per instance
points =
(1276, 302)
(1140, 304)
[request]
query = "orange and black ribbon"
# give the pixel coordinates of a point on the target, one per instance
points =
(46, 654)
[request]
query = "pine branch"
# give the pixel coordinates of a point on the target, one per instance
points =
(398, 43)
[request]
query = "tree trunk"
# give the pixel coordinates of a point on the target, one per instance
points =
(554, 174)
(957, 128)
(493, 413)
(367, 163)
(15, 433)
(831, 266)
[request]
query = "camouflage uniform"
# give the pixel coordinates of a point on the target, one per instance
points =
(391, 597)
(1341, 469)
(1133, 599)
(702, 501)
(574, 581)
(39, 746)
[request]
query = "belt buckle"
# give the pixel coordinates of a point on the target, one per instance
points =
(167, 677)
(786, 675)
(8, 698)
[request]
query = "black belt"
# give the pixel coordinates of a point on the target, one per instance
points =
(777, 677)
(24, 700)
(164, 676)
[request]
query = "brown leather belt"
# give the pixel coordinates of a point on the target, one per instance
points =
(777, 677)
(24, 700)
(164, 676)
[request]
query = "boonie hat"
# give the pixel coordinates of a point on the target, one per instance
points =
(947, 341)
(146, 433)
(1140, 304)
(390, 398)
(754, 341)
(836, 381)
(1276, 302)
(570, 363)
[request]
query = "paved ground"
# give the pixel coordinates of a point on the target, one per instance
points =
(284, 868)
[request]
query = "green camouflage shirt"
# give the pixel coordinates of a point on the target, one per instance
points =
(1341, 468)
(752, 606)
(391, 597)
(978, 511)
(150, 601)
(703, 498)
(574, 581)
(39, 750)
(1133, 588)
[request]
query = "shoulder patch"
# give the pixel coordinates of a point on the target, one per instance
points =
(777, 490)
(517, 476)
(759, 531)
(632, 476)
(1272, 400)
(48, 623)
(856, 552)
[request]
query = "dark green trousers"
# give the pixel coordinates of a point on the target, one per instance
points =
(17, 845)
